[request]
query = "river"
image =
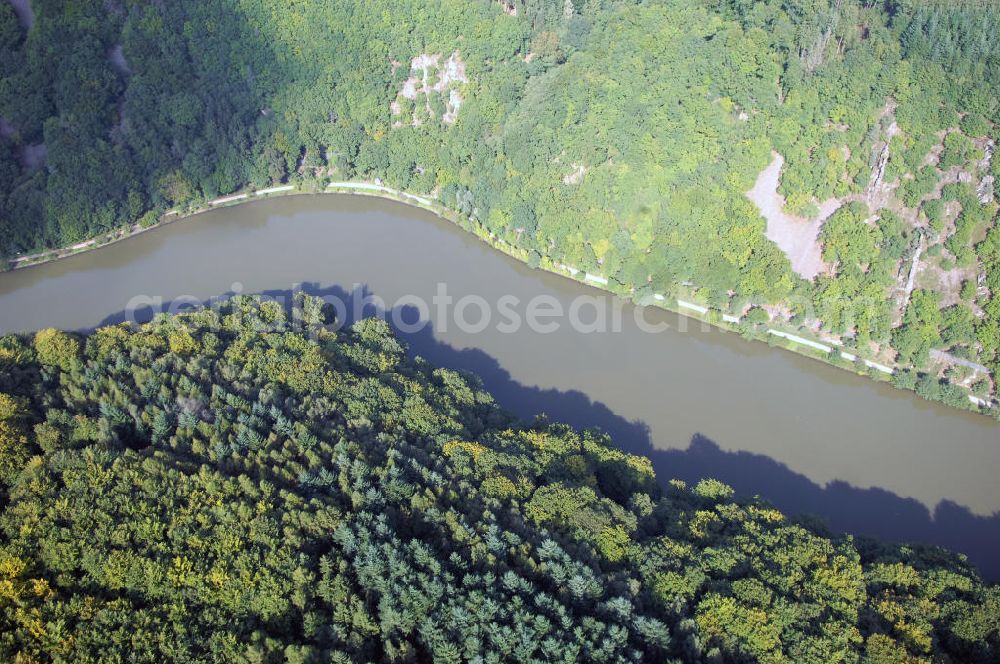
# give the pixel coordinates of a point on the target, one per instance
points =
(701, 403)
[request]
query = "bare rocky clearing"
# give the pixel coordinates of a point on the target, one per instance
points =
(25, 14)
(574, 178)
(797, 236)
(118, 62)
(7, 130)
(508, 6)
(948, 283)
(430, 78)
(34, 157)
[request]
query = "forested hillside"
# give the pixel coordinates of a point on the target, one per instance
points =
(616, 136)
(240, 485)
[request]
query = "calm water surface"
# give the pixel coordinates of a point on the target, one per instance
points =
(807, 437)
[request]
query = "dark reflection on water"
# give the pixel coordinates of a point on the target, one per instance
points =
(805, 436)
(840, 506)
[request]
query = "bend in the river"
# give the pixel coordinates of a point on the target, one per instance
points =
(808, 437)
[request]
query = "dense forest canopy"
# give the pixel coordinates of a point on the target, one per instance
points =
(241, 484)
(617, 136)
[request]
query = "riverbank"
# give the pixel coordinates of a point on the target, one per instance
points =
(787, 339)
(171, 216)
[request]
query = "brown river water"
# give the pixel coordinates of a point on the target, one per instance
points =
(700, 402)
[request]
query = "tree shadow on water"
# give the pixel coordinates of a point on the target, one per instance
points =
(873, 512)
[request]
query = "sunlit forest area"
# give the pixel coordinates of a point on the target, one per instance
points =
(241, 485)
(619, 137)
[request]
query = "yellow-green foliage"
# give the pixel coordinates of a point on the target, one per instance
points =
(14, 444)
(500, 487)
(13, 351)
(57, 349)
(475, 450)
(182, 343)
(613, 543)
(672, 585)
(295, 361)
(727, 620)
(108, 340)
(22, 600)
(713, 489)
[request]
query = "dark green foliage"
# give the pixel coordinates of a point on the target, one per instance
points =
(896, 239)
(227, 486)
(962, 39)
(988, 329)
(848, 240)
(922, 184)
(935, 212)
(975, 125)
(921, 329)
(958, 149)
